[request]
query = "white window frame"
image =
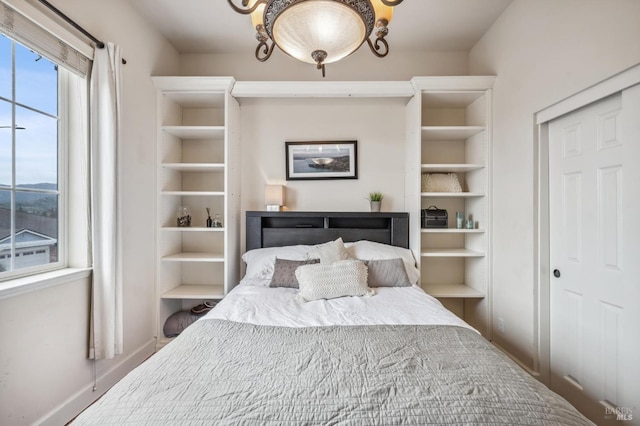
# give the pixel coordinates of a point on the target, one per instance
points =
(62, 151)
(74, 253)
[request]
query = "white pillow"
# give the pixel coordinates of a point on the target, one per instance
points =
(337, 279)
(330, 252)
(369, 250)
(261, 262)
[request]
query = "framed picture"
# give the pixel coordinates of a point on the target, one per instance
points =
(322, 160)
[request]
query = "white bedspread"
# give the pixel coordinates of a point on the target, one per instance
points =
(252, 302)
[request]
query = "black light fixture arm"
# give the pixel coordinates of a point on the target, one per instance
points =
(391, 2)
(245, 9)
(74, 24)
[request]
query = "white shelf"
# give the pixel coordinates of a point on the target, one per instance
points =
(191, 229)
(198, 165)
(195, 132)
(450, 132)
(453, 120)
(451, 231)
(194, 193)
(327, 89)
(449, 99)
(194, 257)
(452, 194)
(451, 168)
(451, 252)
(194, 167)
(453, 291)
(190, 291)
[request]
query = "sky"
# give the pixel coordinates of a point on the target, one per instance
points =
(36, 87)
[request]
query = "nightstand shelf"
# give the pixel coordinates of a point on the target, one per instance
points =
(193, 257)
(453, 291)
(195, 292)
(451, 252)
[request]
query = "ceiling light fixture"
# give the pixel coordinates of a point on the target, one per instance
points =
(318, 31)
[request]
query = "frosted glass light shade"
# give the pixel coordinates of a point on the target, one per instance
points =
(319, 25)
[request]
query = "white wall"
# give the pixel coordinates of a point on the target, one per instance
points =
(377, 125)
(44, 371)
(361, 65)
(542, 52)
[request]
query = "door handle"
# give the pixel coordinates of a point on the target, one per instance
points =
(556, 273)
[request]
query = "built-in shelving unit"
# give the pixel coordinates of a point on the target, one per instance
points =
(449, 131)
(197, 167)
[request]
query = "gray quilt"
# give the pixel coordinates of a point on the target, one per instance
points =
(222, 372)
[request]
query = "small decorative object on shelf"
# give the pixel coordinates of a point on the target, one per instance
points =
(470, 223)
(217, 223)
(375, 201)
(459, 220)
(209, 220)
(184, 217)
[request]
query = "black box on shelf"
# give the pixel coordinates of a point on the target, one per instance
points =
(433, 217)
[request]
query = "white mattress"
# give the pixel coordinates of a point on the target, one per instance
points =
(255, 303)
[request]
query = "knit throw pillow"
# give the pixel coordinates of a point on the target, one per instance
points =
(337, 279)
(329, 252)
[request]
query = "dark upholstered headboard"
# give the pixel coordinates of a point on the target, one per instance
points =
(275, 229)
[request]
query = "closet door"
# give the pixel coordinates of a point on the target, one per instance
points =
(595, 290)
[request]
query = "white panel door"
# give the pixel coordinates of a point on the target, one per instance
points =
(594, 179)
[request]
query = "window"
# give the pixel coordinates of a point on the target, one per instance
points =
(31, 177)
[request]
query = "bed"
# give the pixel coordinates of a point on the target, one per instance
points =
(311, 355)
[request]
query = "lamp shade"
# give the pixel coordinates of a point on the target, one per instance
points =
(323, 25)
(274, 195)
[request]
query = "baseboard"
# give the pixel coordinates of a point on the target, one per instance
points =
(87, 395)
(522, 365)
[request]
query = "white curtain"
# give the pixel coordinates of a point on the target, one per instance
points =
(106, 340)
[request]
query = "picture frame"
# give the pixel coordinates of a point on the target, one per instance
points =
(320, 160)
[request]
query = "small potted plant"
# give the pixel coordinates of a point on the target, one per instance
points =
(375, 200)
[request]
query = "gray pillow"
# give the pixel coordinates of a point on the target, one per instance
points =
(387, 273)
(284, 272)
